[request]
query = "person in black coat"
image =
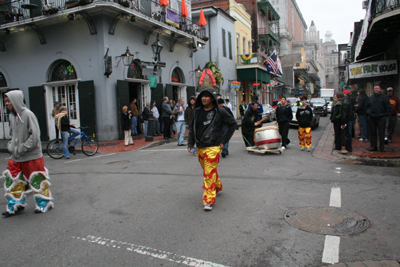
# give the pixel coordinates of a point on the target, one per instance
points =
(284, 115)
(126, 117)
(249, 123)
(361, 110)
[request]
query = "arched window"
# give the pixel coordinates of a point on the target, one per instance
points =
(3, 82)
(177, 76)
(135, 70)
(61, 70)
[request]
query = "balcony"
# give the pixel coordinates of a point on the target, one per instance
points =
(383, 6)
(145, 13)
(269, 31)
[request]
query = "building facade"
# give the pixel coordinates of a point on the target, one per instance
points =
(73, 56)
(329, 49)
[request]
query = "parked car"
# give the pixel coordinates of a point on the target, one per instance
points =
(320, 105)
(275, 103)
(269, 112)
(314, 122)
(329, 107)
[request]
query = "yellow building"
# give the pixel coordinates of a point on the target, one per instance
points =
(243, 40)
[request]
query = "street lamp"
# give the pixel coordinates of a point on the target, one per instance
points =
(157, 47)
(126, 57)
(198, 72)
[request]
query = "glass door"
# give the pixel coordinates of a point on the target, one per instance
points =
(4, 119)
(67, 95)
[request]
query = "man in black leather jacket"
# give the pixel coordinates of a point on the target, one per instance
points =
(206, 132)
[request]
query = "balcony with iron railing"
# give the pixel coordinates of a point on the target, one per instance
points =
(382, 6)
(268, 31)
(27, 11)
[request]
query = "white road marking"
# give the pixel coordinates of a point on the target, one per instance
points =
(69, 161)
(163, 255)
(167, 149)
(335, 200)
(331, 249)
(331, 245)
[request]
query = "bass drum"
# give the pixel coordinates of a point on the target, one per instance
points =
(267, 137)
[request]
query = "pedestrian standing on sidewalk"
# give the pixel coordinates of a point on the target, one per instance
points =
(378, 108)
(347, 122)
(392, 119)
(134, 119)
(250, 121)
(179, 115)
(206, 132)
(25, 166)
(189, 117)
(362, 115)
(146, 115)
(166, 113)
(66, 128)
(242, 109)
(284, 115)
(54, 113)
(304, 116)
(225, 150)
(126, 117)
(156, 115)
(336, 119)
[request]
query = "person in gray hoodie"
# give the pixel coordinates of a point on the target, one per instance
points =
(26, 165)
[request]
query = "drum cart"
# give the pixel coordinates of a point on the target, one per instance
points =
(267, 139)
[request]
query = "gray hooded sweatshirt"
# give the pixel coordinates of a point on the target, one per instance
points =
(25, 142)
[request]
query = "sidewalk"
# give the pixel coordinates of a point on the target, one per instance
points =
(324, 149)
(111, 146)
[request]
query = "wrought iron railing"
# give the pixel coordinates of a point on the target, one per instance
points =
(381, 6)
(18, 10)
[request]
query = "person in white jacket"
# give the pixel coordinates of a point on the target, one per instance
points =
(25, 166)
(156, 115)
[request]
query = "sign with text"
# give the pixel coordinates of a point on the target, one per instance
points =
(153, 81)
(373, 69)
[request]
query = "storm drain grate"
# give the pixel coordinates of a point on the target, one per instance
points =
(326, 220)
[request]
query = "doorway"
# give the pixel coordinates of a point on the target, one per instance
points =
(135, 91)
(67, 96)
(4, 118)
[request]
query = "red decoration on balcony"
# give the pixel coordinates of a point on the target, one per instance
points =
(202, 19)
(163, 2)
(184, 11)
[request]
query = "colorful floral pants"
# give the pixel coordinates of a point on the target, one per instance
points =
(209, 159)
(18, 175)
(305, 134)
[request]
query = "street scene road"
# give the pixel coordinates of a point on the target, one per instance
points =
(144, 208)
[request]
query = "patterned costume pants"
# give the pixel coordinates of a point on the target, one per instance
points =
(209, 159)
(305, 135)
(18, 175)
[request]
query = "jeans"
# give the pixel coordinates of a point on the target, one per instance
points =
(364, 127)
(134, 125)
(156, 129)
(180, 129)
(65, 137)
(348, 136)
(225, 150)
(146, 124)
(390, 125)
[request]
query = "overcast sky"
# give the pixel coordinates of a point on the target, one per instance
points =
(336, 16)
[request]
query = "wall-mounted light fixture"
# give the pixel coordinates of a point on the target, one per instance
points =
(126, 58)
(157, 47)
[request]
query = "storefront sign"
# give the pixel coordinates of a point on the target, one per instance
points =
(373, 69)
(235, 85)
(153, 81)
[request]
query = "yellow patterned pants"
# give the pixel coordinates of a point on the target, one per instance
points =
(209, 158)
(305, 137)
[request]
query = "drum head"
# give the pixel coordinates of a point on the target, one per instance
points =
(266, 128)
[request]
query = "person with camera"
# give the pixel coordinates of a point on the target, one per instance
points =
(126, 117)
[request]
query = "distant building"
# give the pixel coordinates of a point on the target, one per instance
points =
(329, 49)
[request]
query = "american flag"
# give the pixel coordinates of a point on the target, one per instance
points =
(272, 62)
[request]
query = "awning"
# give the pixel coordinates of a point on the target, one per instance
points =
(253, 74)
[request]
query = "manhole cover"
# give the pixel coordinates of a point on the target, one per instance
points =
(108, 144)
(326, 220)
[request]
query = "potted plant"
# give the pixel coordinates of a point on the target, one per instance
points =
(49, 9)
(124, 3)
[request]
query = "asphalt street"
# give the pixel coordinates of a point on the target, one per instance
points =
(144, 208)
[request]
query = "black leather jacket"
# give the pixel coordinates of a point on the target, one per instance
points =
(213, 135)
(347, 111)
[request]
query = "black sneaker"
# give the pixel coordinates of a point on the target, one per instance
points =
(8, 214)
(223, 154)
